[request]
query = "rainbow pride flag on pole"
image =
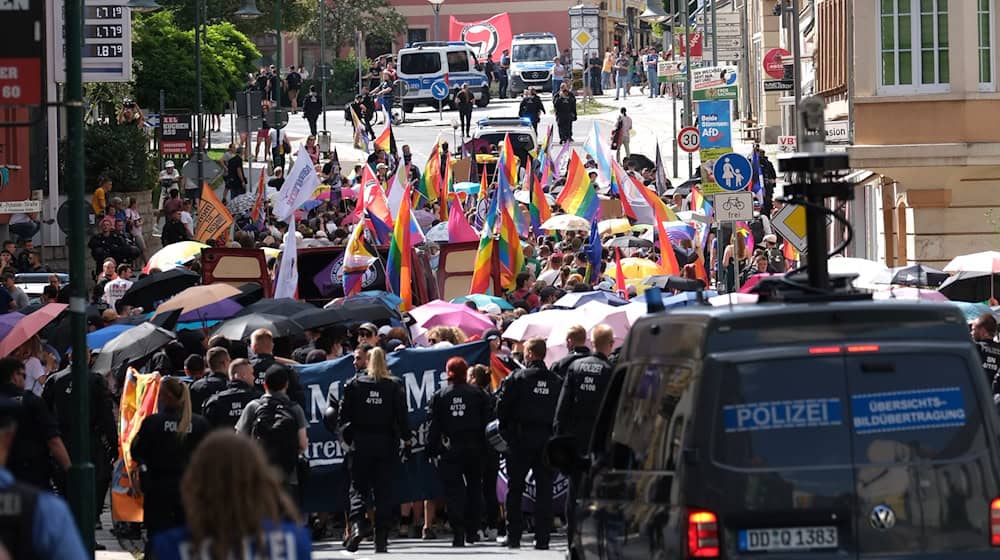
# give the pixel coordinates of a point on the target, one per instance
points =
(578, 196)
(357, 259)
(400, 267)
(483, 271)
(538, 206)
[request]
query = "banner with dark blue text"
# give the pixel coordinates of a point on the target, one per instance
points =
(422, 372)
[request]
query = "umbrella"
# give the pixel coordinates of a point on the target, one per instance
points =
(685, 299)
(676, 231)
(28, 326)
(672, 282)
(241, 204)
(524, 197)
(614, 225)
(250, 293)
(286, 307)
(566, 222)
(360, 309)
(199, 303)
(910, 294)
(7, 322)
(972, 311)
(635, 309)
(572, 300)
(482, 300)
(537, 325)
(865, 269)
(240, 328)
(438, 233)
(470, 187)
(970, 286)
(629, 242)
(100, 337)
(388, 298)
(317, 318)
(174, 255)
(441, 313)
(634, 267)
(751, 283)
(587, 316)
(916, 275)
(148, 290)
(986, 261)
(131, 345)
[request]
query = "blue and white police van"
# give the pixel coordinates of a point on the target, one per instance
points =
(531, 61)
(424, 63)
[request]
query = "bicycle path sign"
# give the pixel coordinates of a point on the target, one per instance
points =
(734, 206)
(732, 172)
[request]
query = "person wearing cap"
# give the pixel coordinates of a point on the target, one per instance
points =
(368, 334)
(43, 526)
(776, 263)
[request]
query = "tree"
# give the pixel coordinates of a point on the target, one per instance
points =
(164, 60)
(118, 152)
(294, 15)
(375, 18)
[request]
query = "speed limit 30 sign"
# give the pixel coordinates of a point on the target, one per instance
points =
(689, 139)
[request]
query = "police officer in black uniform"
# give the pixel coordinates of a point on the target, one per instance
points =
(58, 395)
(526, 408)
(457, 415)
(576, 343)
(984, 332)
(162, 448)
(223, 409)
(262, 346)
(582, 392)
(214, 382)
(373, 419)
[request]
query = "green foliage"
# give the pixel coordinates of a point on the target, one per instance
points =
(164, 59)
(121, 153)
(342, 84)
(375, 18)
(294, 15)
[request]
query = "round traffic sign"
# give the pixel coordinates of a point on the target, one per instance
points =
(439, 90)
(774, 65)
(732, 172)
(689, 139)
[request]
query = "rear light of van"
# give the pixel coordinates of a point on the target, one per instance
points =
(851, 349)
(703, 535)
(995, 523)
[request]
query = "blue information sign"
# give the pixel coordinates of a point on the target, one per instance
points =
(732, 172)
(439, 90)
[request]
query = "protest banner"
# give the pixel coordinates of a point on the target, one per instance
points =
(214, 219)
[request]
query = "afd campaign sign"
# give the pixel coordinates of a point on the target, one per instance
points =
(421, 370)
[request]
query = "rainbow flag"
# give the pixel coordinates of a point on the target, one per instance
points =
(357, 259)
(509, 243)
(399, 267)
(790, 252)
(620, 286)
(743, 229)
(431, 178)
(538, 206)
(699, 202)
(444, 187)
(668, 260)
(483, 272)
(386, 140)
(508, 162)
(578, 196)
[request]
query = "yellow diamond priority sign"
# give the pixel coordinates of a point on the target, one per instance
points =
(790, 222)
(582, 38)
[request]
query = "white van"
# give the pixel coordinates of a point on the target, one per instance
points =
(424, 63)
(531, 61)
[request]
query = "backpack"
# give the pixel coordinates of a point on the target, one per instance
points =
(276, 430)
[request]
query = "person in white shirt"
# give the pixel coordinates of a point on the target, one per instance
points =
(551, 272)
(187, 219)
(115, 289)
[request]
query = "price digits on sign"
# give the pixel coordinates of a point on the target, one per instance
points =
(103, 51)
(103, 12)
(10, 92)
(103, 31)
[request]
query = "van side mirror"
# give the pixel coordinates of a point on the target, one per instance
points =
(561, 453)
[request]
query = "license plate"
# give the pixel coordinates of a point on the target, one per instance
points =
(787, 538)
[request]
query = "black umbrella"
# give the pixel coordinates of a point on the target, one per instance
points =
(130, 346)
(671, 282)
(917, 275)
(148, 290)
(630, 242)
(250, 293)
(285, 307)
(971, 286)
(360, 309)
(317, 318)
(240, 328)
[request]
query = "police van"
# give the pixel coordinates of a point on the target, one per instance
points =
(531, 61)
(424, 63)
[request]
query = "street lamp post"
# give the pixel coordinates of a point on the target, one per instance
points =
(322, 62)
(436, 6)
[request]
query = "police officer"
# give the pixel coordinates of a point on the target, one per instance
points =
(503, 73)
(262, 346)
(984, 332)
(373, 419)
(58, 395)
(457, 416)
(525, 408)
(33, 523)
(202, 389)
(223, 409)
(162, 448)
(38, 436)
(576, 343)
(582, 392)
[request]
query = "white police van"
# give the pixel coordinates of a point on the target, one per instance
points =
(531, 61)
(424, 63)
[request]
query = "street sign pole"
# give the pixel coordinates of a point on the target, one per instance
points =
(688, 117)
(440, 116)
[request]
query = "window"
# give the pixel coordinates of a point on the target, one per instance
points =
(416, 35)
(420, 63)
(651, 398)
(458, 61)
(984, 24)
(913, 35)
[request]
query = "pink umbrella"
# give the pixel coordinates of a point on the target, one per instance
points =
(537, 325)
(588, 316)
(29, 326)
(910, 294)
(753, 281)
(441, 313)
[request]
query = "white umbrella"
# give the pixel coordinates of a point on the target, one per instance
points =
(588, 316)
(986, 261)
(438, 233)
(866, 270)
(566, 222)
(524, 197)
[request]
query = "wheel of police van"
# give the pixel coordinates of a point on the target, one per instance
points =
(407, 107)
(484, 98)
(398, 114)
